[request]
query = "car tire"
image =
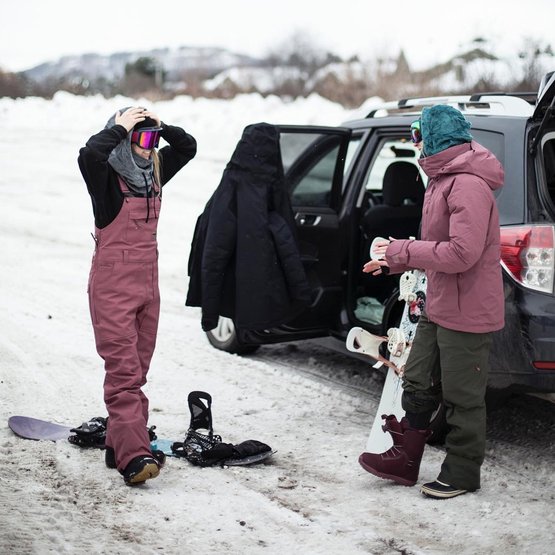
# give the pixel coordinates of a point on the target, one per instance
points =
(497, 398)
(224, 338)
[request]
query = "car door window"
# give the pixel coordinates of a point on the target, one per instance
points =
(352, 148)
(390, 152)
(311, 163)
(314, 188)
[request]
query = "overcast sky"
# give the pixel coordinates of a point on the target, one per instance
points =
(35, 31)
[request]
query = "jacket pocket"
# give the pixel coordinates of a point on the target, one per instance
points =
(443, 297)
(101, 286)
(138, 229)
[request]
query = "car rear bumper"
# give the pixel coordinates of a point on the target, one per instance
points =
(523, 353)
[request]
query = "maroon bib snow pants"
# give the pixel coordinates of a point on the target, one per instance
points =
(124, 301)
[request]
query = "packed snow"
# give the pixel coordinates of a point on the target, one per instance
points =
(310, 498)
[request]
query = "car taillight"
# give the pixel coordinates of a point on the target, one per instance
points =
(527, 253)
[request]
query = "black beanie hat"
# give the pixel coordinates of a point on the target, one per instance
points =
(148, 122)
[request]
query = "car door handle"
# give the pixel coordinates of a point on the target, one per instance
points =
(308, 219)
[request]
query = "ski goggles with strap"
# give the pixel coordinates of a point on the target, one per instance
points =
(415, 132)
(147, 138)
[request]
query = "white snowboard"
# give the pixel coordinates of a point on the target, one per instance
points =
(399, 341)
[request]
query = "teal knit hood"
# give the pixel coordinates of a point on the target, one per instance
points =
(443, 127)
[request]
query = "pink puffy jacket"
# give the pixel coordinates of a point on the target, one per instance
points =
(460, 246)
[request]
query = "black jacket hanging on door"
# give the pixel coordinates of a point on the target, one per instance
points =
(244, 261)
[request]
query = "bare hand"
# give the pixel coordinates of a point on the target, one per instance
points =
(374, 267)
(130, 117)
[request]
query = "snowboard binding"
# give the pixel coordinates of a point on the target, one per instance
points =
(200, 406)
(93, 433)
(361, 341)
(397, 342)
(90, 434)
(200, 438)
(202, 447)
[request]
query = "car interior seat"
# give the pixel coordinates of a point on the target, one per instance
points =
(397, 216)
(401, 210)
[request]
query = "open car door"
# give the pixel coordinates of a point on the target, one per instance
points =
(546, 95)
(314, 161)
(542, 147)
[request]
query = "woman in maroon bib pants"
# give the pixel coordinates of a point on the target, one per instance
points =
(124, 174)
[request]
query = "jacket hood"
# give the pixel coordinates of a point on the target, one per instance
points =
(137, 171)
(443, 127)
(258, 150)
(470, 158)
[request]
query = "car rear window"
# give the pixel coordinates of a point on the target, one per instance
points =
(493, 141)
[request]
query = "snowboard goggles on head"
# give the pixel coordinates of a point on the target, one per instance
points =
(147, 138)
(415, 133)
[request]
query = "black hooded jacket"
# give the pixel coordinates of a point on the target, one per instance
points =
(102, 179)
(244, 261)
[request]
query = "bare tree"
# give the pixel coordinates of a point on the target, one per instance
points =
(300, 50)
(531, 55)
(13, 85)
(142, 76)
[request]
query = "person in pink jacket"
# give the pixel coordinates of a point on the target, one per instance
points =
(459, 250)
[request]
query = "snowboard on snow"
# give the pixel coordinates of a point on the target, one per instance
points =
(201, 446)
(27, 427)
(33, 428)
(412, 289)
(165, 445)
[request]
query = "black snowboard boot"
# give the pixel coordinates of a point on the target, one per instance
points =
(160, 457)
(439, 490)
(141, 469)
(110, 457)
(110, 454)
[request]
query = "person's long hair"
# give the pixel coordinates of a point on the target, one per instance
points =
(157, 166)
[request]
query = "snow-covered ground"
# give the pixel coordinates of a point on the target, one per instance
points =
(312, 498)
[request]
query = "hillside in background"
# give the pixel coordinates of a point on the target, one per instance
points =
(296, 69)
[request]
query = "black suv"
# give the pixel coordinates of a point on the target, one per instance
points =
(352, 183)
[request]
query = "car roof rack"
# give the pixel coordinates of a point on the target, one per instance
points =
(530, 97)
(506, 104)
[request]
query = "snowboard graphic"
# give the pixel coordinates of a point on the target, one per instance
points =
(412, 287)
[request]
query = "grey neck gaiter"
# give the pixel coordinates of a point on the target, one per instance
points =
(136, 171)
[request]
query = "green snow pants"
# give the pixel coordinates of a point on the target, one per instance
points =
(453, 366)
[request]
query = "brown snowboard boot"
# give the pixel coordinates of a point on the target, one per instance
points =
(401, 462)
(395, 428)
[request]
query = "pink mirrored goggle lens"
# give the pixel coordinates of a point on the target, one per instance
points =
(146, 138)
(415, 132)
